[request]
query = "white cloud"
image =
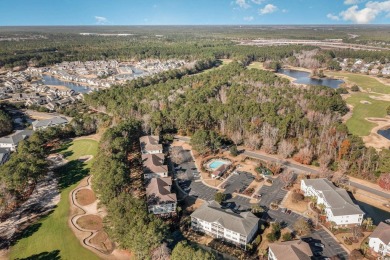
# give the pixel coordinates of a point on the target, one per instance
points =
(242, 4)
(101, 20)
(268, 9)
(248, 18)
(333, 17)
(258, 2)
(367, 14)
(352, 2)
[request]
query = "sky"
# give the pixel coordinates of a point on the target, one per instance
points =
(192, 12)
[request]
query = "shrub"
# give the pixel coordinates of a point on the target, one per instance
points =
(341, 91)
(355, 88)
(233, 150)
(297, 197)
(219, 197)
(287, 236)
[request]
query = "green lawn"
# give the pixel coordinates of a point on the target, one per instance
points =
(51, 238)
(364, 81)
(256, 65)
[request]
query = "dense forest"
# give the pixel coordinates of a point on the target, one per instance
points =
(5, 122)
(251, 107)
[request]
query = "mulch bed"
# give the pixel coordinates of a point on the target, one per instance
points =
(85, 197)
(102, 241)
(90, 222)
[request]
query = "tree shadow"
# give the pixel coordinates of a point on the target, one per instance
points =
(27, 232)
(53, 255)
(71, 173)
(64, 146)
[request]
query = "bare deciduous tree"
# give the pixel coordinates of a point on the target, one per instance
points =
(286, 149)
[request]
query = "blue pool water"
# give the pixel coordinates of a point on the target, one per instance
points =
(216, 164)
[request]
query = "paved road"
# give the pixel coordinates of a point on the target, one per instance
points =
(371, 190)
(305, 169)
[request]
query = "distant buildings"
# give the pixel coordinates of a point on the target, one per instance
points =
(222, 223)
(290, 250)
(379, 240)
(339, 207)
(160, 200)
(4, 155)
(12, 141)
(52, 122)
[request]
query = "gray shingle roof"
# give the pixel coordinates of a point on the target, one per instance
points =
(3, 152)
(292, 250)
(382, 232)
(158, 191)
(339, 200)
(52, 121)
(16, 137)
(212, 211)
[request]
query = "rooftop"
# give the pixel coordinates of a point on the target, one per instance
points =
(158, 191)
(52, 121)
(150, 143)
(292, 250)
(154, 163)
(339, 200)
(212, 211)
(16, 137)
(382, 232)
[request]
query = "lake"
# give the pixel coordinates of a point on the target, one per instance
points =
(385, 133)
(49, 80)
(303, 77)
(377, 215)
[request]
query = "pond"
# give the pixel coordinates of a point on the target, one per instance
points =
(49, 80)
(385, 133)
(303, 77)
(377, 215)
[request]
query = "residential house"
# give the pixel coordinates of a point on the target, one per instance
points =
(153, 166)
(52, 122)
(160, 200)
(150, 144)
(4, 155)
(379, 240)
(216, 221)
(12, 141)
(290, 250)
(339, 207)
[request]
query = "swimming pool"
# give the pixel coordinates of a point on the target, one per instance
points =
(215, 164)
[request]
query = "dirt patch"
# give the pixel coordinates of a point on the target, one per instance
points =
(340, 237)
(102, 241)
(85, 158)
(374, 139)
(85, 197)
(90, 222)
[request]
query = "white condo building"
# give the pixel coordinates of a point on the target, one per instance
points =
(339, 207)
(217, 222)
(379, 240)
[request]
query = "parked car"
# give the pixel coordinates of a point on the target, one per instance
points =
(319, 245)
(289, 211)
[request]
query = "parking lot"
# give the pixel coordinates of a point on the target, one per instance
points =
(239, 203)
(274, 193)
(201, 191)
(237, 182)
(331, 247)
(289, 218)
